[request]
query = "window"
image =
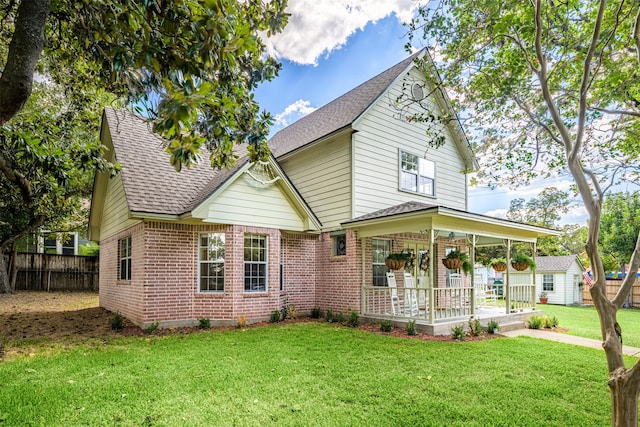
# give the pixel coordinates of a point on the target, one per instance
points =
(69, 245)
(125, 258)
(381, 249)
(417, 174)
(255, 263)
(50, 244)
(211, 252)
(547, 283)
(339, 245)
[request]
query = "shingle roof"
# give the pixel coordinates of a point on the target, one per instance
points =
(402, 208)
(554, 263)
(151, 184)
(338, 114)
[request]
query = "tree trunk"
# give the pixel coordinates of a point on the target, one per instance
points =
(13, 270)
(5, 286)
(624, 398)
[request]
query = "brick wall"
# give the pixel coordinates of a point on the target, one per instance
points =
(300, 273)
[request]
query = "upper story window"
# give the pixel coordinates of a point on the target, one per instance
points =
(211, 256)
(124, 247)
(255, 263)
(417, 174)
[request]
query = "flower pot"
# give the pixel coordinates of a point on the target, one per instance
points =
(394, 264)
(452, 263)
(543, 300)
(499, 267)
(519, 266)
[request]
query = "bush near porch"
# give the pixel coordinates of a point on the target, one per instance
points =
(305, 374)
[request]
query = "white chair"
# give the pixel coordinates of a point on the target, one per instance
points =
(479, 291)
(456, 283)
(410, 296)
(393, 292)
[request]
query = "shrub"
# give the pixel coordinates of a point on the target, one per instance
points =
(386, 325)
(275, 316)
(493, 326)
(152, 327)
(534, 322)
(242, 321)
(284, 311)
(354, 319)
(117, 322)
(457, 333)
(329, 316)
(293, 312)
(411, 328)
(339, 317)
(475, 327)
(554, 322)
(316, 313)
(204, 323)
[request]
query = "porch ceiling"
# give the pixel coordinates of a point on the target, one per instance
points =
(414, 217)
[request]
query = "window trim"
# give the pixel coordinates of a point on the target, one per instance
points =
(127, 244)
(545, 283)
(200, 262)
(264, 238)
(417, 174)
(374, 264)
(334, 244)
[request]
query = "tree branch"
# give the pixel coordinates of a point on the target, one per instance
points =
(636, 34)
(25, 48)
(631, 277)
(617, 112)
(17, 178)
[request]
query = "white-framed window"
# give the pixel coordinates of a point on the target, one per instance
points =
(339, 244)
(417, 175)
(255, 263)
(547, 283)
(69, 245)
(50, 244)
(211, 255)
(124, 249)
(381, 250)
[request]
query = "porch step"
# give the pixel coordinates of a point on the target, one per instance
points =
(512, 326)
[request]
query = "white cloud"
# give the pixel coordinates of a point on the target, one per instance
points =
(293, 112)
(497, 213)
(317, 27)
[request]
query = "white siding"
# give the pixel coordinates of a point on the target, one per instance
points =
(247, 202)
(322, 174)
(380, 137)
(115, 216)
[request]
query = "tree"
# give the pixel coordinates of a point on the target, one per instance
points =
(552, 87)
(620, 226)
(190, 65)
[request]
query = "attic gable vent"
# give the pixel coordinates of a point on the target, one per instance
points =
(263, 173)
(417, 92)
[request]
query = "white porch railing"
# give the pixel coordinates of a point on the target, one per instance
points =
(437, 304)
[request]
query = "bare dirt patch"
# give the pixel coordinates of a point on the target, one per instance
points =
(32, 319)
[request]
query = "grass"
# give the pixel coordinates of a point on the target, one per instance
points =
(306, 374)
(583, 322)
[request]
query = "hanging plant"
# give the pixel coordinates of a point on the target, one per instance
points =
(521, 262)
(498, 264)
(397, 260)
(457, 260)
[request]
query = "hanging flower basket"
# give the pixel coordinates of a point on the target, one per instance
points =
(452, 263)
(394, 264)
(519, 266)
(499, 266)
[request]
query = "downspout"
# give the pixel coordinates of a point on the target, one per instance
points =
(363, 247)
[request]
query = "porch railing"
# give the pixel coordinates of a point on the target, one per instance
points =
(436, 304)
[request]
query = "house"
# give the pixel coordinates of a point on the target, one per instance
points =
(560, 277)
(345, 186)
(64, 243)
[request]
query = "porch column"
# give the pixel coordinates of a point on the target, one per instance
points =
(533, 271)
(473, 274)
(434, 279)
(363, 248)
(506, 278)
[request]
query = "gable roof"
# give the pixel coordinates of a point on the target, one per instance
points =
(154, 188)
(339, 113)
(555, 263)
(151, 184)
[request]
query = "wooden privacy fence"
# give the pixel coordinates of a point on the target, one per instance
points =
(47, 272)
(633, 300)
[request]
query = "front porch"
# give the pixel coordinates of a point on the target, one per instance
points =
(434, 293)
(440, 309)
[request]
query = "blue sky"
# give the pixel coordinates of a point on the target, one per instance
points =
(331, 46)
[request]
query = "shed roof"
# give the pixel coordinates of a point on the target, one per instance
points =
(555, 263)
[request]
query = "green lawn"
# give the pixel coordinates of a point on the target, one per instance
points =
(583, 321)
(306, 374)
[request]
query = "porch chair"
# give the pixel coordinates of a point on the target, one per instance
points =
(393, 292)
(484, 297)
(456, 283)
(410, 296)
